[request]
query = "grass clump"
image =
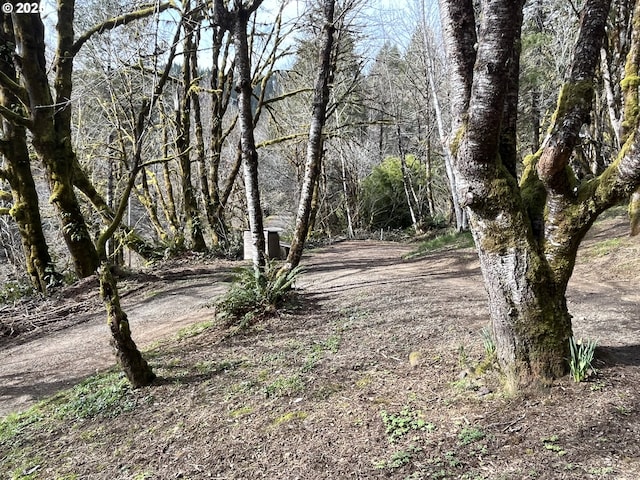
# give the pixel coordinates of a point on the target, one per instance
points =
(105, 396)
(448, 241)
(253, 296)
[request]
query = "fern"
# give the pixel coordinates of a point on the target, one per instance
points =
(253, 296)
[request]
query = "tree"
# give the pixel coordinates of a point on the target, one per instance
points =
(527, 231)
(25, 208)
(314, 144)
(236, 21)
(383, 193)
(183, 106)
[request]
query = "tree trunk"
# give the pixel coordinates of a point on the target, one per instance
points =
(458, 210)
(634, 213)
(314, 145)
(51, 127)
(527, 235)
(347, 196)
(26, 209)
(135, 367)
(247, 140)
(183, 147)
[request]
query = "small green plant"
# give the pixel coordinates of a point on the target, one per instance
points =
(580, 362)
(399, 424)
(601, 471)
(451, 459)
(13, 291)
(488, 342)
(398, 459)
(551, 444)
(254, 295)
(469, 435)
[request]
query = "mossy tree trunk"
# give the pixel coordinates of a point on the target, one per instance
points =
(50, 123)
(26, 209)
(236, 22)
(135, 367)
(49, 118)
(216, 194)
(527, 231)
(193, 229)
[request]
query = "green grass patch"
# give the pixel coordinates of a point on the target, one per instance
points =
(448, 241)
(606, 247)
(105, 395)
(16, 424)
(194, 330)
(290, 417)
(13, 291)
(284, 386)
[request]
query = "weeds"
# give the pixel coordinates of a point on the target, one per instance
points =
(551, 444)
(581, 357)
(106, 396)
(284, 386)
(488, 343)
(398, 459)
(253, 296)
(399, 424)
(13, 291)
(470, 435)
(449, 241)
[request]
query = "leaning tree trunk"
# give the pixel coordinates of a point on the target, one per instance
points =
(135, 367)
(314, 145)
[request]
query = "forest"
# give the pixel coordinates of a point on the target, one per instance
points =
(454, 192)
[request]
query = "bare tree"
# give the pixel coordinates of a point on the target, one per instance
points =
(314, 145)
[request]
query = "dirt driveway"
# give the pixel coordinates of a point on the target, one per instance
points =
(65, 338)
(603, 297)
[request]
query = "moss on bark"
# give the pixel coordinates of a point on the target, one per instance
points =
(135, 367)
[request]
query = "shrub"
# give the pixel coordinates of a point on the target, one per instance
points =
(384, 202)
(253, 296)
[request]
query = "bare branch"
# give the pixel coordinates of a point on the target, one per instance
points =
(118, 21)
(15, 117)
(14, 87)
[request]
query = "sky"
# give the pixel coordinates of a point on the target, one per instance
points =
(381, 20)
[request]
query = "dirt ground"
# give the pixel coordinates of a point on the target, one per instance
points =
(49, 345)
(368, 374)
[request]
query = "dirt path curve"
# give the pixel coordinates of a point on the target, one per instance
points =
(602, 295)
(53, 358)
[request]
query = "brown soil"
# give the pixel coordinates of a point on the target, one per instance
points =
(368, 374)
